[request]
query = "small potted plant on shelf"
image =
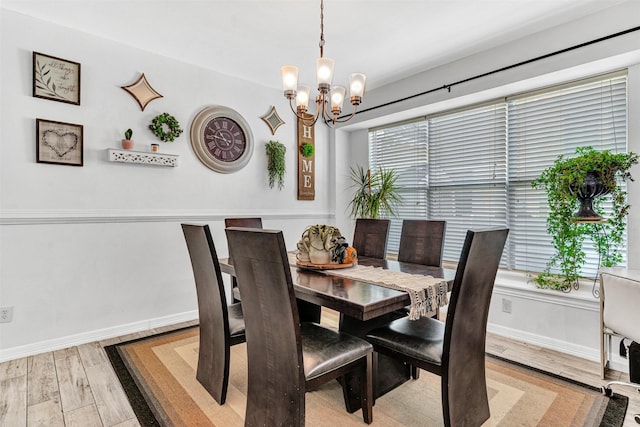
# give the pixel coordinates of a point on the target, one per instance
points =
(127, 142)
(580, 183)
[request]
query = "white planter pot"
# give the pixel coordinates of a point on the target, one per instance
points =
(319, 256)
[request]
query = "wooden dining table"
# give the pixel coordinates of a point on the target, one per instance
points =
(362, 306)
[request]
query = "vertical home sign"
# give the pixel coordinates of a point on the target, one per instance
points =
(306, 165)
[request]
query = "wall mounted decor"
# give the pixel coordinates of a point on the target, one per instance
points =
(142, 92)
(141, 157)
(276, 163)
(306, 164)
(222, 139)
(165, 127)
(56, 79)
(272, 119)
(59, 143)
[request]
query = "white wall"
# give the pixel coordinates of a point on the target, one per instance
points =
(96, 251)
(92, 252)
(567, 322)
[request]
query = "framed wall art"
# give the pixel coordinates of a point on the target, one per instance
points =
(56, 79)
(142, 91)
(59, 143)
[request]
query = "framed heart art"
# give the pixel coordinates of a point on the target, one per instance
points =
(59, 143)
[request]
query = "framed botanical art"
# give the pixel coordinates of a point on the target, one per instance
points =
(59, 143)
(56, 79)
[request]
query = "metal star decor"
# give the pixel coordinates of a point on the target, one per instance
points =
(273, 120)
(142, 91)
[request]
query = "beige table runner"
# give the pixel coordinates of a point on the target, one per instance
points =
(426, 292)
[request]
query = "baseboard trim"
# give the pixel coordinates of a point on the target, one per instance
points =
(92, 336)
(616, 362)
(546, 342)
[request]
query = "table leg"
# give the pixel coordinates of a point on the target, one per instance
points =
(308, 312)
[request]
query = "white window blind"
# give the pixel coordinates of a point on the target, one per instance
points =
(474, 167)
(468, 170)
(403, 148)
(542, 126)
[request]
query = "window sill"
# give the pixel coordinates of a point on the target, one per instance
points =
(518, 284)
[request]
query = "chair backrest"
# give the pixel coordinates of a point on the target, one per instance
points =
(466, 325)
(272, 327)
(370, 237)
(620, 294)
(212, 301)
(243, 222)
(422, 241)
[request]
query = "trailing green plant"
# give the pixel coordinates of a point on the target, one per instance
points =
(560, 181)
(276, 165)
(306, 150)
(128, 133)
(376, 194)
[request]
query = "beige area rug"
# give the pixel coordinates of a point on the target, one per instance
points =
(158, 374)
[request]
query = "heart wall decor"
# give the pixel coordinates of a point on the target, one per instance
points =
(59, 143)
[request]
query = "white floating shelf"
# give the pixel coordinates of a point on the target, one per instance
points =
(141, 157)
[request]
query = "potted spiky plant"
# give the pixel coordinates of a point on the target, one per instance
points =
(376, 193)
(319, 241)
(127, 143)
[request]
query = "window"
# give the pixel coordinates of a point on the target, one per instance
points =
(473, 167)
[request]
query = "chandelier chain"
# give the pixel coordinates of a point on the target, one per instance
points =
(321, 28)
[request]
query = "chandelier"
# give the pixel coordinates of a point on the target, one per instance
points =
(326, 93)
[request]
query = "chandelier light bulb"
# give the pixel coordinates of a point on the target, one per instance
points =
(324, 69)
(289, 79)
(302, 98)
(356, 87)
(337, 99)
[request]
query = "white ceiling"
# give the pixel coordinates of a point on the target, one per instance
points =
(384, 39)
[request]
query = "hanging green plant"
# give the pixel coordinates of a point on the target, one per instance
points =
(375, 193)
(276, 163)
(165, 127)
(306, 150)
(562, 182)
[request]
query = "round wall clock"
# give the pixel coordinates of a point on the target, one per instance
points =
(222, 139)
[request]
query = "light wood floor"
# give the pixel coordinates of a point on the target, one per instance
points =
(77, 386)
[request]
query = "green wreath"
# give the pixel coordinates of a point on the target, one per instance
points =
(161, 123)
(306, 150)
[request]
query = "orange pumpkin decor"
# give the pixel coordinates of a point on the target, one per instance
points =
(351, 255)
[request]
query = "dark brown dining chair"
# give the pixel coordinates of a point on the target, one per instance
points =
(422, 241)
(370, 237)
(245, 223)
(286, 358)
(221, 326)
(455, 349)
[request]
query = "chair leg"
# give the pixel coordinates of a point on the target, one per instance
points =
(366, 391)
(415, 372)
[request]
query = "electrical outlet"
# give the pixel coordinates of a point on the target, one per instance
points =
(506, 305)
(6, 314)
